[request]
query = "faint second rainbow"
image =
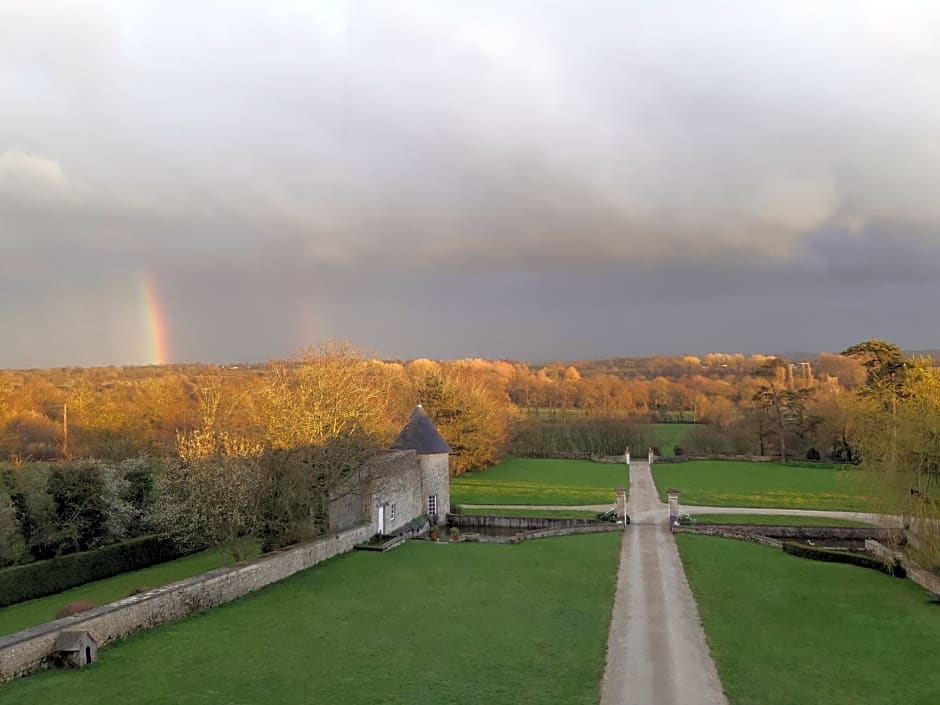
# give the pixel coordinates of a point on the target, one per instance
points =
(159, 349)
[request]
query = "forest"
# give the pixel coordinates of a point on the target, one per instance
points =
(97, 455)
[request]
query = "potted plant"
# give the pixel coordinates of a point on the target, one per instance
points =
(433, 533)
(454, 533)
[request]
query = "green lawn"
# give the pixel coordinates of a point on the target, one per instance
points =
(541, 481)
(667, 436)
(43, 609)
(773, 519)
(553, 513)
(785, 630)
(427, 623)
(728, 483)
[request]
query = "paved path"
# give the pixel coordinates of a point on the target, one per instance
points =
(656, 650)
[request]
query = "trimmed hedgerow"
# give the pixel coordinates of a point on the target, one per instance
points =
(862, 560)
(25, 582)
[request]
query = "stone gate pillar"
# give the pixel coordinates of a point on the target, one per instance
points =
(673, 495)
(626, 455)
(651, 456)
(622, 504)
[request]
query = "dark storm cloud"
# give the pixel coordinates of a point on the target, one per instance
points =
(427, 178)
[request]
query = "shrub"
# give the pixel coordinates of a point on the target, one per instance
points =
(74, 608)
(863, 560)
(25, 582)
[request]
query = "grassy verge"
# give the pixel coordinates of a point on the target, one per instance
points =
(405, 627)
(28, 614)
(773, 519)
(727, 483)
(784, 630)
(556, 513)
(541, 481)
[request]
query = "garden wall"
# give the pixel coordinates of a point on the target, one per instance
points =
(836, 533)
(467, 522)
(684, 458)
(598, 528)
(33, 649)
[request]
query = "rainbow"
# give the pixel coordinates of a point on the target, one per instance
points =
(158, 348)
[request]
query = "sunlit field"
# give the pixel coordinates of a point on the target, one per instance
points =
(748, 484)
(541, 481)
(425, 624)
(786, 630)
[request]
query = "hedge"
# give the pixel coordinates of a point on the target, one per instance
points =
(25, 582)
(862, 560)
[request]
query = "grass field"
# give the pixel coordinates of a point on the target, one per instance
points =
(667, 436)
(772, 519)
(786, 630)
(556, 513)
(424, 624)
(43, 609)
(541, 481)
(725, 483)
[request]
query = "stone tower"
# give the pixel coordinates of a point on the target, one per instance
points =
(420, 435)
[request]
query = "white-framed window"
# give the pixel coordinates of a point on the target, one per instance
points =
(432, 505)
(392, 512)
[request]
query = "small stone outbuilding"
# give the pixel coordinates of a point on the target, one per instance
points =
(398, 485)
(77, 648)
(421, 436)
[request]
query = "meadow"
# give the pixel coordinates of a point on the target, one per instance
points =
(667, 436)
(32, 612)
(541, 481)
(424, 624)
(726, 483)
(786, 630)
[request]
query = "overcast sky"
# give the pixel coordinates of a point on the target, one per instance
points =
(536, 180)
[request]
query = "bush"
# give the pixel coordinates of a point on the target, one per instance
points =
(863, 560)
(74, 608)
(25, 582)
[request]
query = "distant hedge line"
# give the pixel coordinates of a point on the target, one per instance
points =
(862, 560)
(25, 582)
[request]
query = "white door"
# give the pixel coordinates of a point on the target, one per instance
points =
(381, 523)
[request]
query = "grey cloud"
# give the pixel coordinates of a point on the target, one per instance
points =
(323, 162)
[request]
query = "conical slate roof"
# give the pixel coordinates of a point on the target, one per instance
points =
(420, 435)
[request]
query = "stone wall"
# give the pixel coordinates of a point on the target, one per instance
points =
(618, 459)
(395, 483)
(391, 477)
(834, 533)
(728, 533)
(33, 649)
(599, 528)
(725, 456)
(471, 522)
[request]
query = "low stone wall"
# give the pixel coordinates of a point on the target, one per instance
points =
(595, 457)
(573, 455)
(919, 575)
(33, 649)
(837, 533)
(715, 456)
(472, 522)
(728, 533)
(599, 528)
(612, 459)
